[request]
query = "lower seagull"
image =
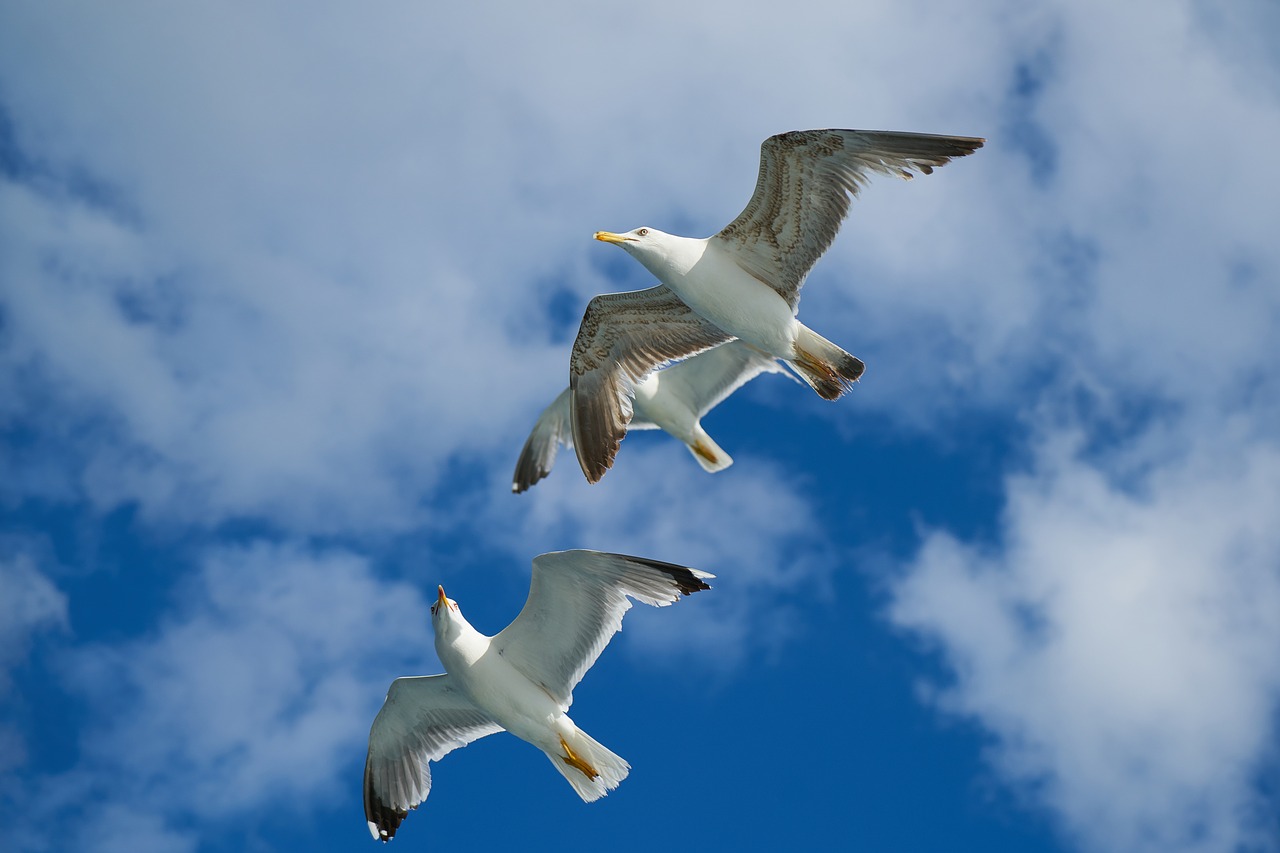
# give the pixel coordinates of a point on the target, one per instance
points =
(521, 680)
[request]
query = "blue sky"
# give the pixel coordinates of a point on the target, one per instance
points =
(282, 292)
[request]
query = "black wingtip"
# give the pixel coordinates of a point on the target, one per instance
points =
(382, 817)
(685, 579)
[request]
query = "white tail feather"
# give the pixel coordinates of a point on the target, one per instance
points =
(710, 455)
(610, 769)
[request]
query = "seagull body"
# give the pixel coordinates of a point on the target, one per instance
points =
(520, 680)
(743, 282)
(706, 277)
(673, 400)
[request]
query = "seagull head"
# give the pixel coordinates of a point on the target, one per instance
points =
(661, 253)
(630, 240)
(638, 242)
(444, 610)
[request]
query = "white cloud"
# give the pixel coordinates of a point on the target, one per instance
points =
(750, 525)
(29, 603)
(254, 694)
(1120, 644)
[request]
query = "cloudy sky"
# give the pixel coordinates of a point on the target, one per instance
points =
(283, 288)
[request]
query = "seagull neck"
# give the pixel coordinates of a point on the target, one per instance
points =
(459, 643)
(674, 257)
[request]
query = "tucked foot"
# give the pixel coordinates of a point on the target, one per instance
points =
(577, 763)
(701, 450)
(828, 369)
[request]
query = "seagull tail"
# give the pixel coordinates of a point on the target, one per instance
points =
(828, 369)
(590, 768)
(710, 455)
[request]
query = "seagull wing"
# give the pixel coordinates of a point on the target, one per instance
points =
(807, 178)
(703, 381)
(622, 338)
(553, 429)
(423, 719)
(575, 606)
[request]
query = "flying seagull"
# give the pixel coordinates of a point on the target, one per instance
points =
(743, 282)
(521, 680)
(673, 400)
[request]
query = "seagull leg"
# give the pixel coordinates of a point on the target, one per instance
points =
(705, 452)
(821, 376)
(827, 369)
(577, 763)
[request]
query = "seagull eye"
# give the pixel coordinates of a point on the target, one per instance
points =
(433, 610)
(642, 232)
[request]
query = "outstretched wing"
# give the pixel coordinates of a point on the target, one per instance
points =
(553, 429)
(624, 336)
(575, 606)
(423, 719)
(705, 380)
(807, 178)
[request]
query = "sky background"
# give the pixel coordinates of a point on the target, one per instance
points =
(283, 289)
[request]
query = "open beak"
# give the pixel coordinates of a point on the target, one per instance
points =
(440, 599)
(610, 237)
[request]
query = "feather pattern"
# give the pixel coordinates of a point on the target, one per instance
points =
(807, 179)
(623, 337)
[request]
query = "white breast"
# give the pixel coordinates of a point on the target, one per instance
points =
(712, 284)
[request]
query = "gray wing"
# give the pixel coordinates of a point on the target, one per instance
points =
(539, 454)
(623, 337)
(705, 380)
(423, 719)
(575, 606)
(807, 178)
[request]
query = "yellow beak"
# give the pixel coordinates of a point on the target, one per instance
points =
(440, 599)
(610, 237)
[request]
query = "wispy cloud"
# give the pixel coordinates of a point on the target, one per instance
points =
(257, 687)
(1119, 643)
(29, 603)
(750, 525)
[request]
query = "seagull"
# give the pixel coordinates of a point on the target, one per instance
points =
(674, 400)
(521, 680)
(743, 282)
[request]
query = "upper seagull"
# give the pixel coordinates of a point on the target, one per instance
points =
(521, 680)
(743, 282)
(673, 400)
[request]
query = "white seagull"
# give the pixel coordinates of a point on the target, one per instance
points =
(521, 680)
(673, 400)
(743, 282)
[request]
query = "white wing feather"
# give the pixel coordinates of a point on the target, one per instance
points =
(704, 381)
(575, 606)
(423, 719)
